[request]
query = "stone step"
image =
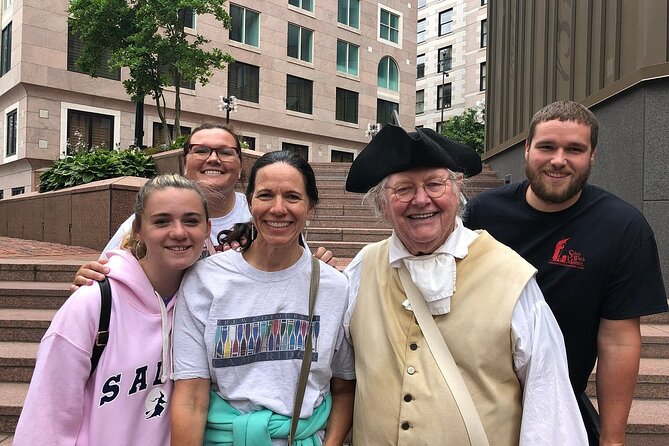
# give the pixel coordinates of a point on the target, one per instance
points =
(366, 235)
(340, 249)
(35, 295)
(660, 318)
(648, 423)
(17, 361)
(340, 198)
(655, 340)
(39, 270)
(652, 382)
(21, 325)
(12, 396)
(360, 221)
(350, 210)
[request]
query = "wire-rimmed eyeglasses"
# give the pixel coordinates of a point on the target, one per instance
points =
(203, 152)
(434, 188)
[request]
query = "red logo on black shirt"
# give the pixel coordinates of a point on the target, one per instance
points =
(567, 257)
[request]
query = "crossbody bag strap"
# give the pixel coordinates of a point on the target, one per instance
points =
(306, 359)
(102, 336)
(447, 366)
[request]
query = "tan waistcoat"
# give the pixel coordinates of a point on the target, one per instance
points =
(401, 396)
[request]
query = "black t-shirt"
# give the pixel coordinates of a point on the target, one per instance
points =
(596, 259)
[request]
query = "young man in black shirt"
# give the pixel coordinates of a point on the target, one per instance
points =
(596, 255)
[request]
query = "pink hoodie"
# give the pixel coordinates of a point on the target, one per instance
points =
(126, 401)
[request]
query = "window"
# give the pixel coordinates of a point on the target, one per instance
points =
(187, 17)
(445, 59)
(89, 130)
(348, 13)
(298, 149)
(6, 4)
(388, 74)
(347, 106)
(250, 142)
(420, 66)
(159, 139)
(384, 111)
(347, 57)
(307, 5)
(300, 42)
(244, 81)
(439, 127)
(6, 50)
(2, 194)
(420, 102)
(389, 28)
(299, 94)
(422, 3)
(337, 156)
(444, 96)
(420, 38)
(482, 76)
(484, 2)
(75, 48)
(18, 190)
(484, 33)
(12, 129)
(445, 22)
(245, 25)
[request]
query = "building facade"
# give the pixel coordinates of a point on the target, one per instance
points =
(309, 76)
(452, 37)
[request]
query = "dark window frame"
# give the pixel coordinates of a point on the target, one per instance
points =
(303, 100)
(6, 50)
(296, 50)
(446, 22)
(347, 11)
(420, 110)
(346, 108)
(448, 87)
(483, 76)
(384, 110)
(90, 131)
(421, 33)
(244, 81)
(447, 61)
(484, 33)
(74, 50)
(11, 122)
(420, 66)
(241, 33)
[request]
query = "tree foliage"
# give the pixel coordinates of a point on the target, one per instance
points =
(149, 38)
(467, 128)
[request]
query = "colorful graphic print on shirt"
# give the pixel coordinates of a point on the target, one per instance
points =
(270, 337)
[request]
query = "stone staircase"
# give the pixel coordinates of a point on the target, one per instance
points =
(32, 289)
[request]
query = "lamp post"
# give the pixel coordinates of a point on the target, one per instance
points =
(442, 64)
(372, 129)
(228, 104)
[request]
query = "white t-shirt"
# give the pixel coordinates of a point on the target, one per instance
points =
(239, 214)
(244, 329)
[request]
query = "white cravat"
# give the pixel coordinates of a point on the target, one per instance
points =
(434, 275)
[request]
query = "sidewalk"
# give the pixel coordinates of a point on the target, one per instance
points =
(15, 248)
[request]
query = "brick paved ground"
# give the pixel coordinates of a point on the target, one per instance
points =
(11, 248)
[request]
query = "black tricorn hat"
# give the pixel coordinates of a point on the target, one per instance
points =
(394, 150)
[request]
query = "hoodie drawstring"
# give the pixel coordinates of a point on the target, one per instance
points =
(165, 331)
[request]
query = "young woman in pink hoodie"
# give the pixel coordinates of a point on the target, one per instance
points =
(126, 398)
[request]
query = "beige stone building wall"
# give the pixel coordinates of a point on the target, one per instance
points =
(467, 56)
(40, 88)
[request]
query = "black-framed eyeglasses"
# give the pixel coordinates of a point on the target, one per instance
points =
(203, 152)
(433, 188)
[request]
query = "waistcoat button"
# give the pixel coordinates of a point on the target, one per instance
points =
(405, 426)
(411, 370)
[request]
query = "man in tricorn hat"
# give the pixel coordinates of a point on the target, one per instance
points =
(435, 289)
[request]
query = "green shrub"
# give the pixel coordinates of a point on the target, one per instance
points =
(101, 164)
